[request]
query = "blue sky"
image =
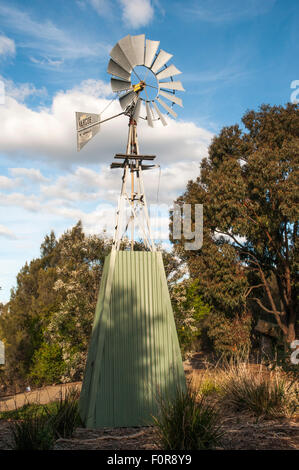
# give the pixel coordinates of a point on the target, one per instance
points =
(233, 56)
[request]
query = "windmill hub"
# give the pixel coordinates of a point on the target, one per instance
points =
(139, 86)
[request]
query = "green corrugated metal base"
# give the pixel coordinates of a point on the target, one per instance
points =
(134, 355)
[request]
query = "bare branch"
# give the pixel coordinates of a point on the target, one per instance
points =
(265, 308)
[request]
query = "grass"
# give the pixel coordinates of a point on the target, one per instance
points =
(27, 409)
(36, 427)
(187, 422)
(33, 432)
(264, 393)
(64, 414)
(244, 387)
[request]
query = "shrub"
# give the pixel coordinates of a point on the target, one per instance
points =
(230, 337)
(48, 365)
(186, 423)
(189, 311)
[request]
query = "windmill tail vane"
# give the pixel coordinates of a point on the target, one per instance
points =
(141, 80)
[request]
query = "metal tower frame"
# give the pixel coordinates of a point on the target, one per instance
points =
(133, 165)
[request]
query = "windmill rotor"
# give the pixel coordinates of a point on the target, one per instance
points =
(140, 74)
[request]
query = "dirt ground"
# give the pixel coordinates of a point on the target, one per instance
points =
(241, 431)
(41, 395)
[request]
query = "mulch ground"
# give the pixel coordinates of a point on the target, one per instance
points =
(240, 433)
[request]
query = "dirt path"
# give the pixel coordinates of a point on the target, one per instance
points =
(41, 396)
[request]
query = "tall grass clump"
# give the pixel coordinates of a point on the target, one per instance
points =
(64, 414)
(187, 422)
(36, 427)
(264, 393)
(33, 432)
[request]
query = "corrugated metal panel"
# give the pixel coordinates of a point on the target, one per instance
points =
(134, 352)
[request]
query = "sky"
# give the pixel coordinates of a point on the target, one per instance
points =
(233, 56)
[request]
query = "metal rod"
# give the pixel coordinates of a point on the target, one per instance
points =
(99, 122)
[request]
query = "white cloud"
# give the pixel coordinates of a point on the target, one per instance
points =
(137, 13)
(7, 183)
(49, 133)
(102, 7)
(22, 91)
(31, 173)
(83, 186)
(7, 46)
(7, 233)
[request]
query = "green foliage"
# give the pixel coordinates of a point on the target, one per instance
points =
(209, 387)
(249, 189)
(187, 423)
(47, 364)
(189, 311)
(230, 337)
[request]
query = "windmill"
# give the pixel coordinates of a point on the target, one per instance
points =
(134, 354)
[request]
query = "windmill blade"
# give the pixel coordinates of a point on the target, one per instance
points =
(171, 97)
(120, 58)
(162, 118)
(149, 114)
(150, 51)
(138, 46)
(117, 70)
(168, 72)
(84, 132)
(137, 110)
(127, 99)
(127, 47)
(168, 109)
(120, 85)
(172, 85)
(161, 59)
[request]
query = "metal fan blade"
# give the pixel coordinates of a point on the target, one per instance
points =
(162, 118)
(117, 70)
(84, 132)
(120, 58)
(165, 106)
(161, 59)
(127, 99)
(172, 85)
(149, 114)
(137, 110)
(168, 72)
(150, 51)
(171, 97)
(120, 85)
(127, 47)
(138, 46)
